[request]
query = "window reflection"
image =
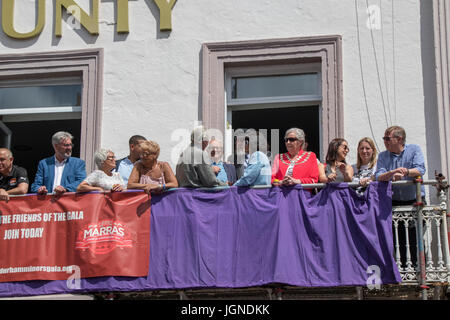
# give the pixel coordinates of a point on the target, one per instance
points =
(275, 86)
(40, 96)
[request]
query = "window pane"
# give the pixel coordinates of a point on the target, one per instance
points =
(275, 86)
(40, 96)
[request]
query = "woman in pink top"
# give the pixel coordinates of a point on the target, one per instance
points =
(150, 174)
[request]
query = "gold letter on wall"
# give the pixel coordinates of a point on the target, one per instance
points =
(8, 20)
(90, 22)
(122, 16)
(165, 14)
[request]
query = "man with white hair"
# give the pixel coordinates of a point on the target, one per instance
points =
(13, 179)
(61, 172)
(194, 165)
(224, 172)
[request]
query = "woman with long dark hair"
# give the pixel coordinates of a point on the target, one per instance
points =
(336, 168)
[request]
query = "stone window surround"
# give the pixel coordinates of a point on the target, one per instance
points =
(324, 49)
(86, 63)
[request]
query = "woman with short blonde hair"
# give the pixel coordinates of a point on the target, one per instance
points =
(148, 173)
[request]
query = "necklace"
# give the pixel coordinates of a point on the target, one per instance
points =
(149, 169)
(296, 161)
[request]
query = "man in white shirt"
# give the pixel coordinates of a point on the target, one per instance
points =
(61, 172)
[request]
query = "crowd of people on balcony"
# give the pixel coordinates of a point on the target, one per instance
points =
(202, 164)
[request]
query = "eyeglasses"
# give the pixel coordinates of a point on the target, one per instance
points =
(67, 145)
(290, 139)
(111, 158)
(388, 138)
(146, 154)
(345, 147)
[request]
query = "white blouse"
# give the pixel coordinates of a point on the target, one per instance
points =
(100, 179)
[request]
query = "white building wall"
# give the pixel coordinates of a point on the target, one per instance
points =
(152, 79)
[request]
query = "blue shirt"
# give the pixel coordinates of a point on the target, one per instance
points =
(258, 171)
(222, 175)
(411, 158)
(125, 168)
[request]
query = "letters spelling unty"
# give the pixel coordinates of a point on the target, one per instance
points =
(88, 21)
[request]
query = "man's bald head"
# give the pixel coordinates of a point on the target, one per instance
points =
(6, 161)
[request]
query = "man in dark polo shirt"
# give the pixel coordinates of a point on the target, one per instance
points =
(13, 179)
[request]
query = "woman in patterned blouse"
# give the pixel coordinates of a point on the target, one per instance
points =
(366, 164)
(295, 166)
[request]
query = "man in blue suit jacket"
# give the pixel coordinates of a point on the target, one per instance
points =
(60, 173)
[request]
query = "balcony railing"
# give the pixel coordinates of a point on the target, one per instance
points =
(427, 262)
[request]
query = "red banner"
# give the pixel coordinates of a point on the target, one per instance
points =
(94, 234)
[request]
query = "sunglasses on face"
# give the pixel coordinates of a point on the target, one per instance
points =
(290, 139)
(344, 147)
(147, 154)
(388, 138)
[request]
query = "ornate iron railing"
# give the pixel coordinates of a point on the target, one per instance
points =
(434, 237)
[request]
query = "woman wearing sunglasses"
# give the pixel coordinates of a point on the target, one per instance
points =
(296, 165)
(148, 173)
(336, 169)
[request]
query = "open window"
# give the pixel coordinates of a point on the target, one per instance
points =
(278, 83)
(42, 93)
(275, 98)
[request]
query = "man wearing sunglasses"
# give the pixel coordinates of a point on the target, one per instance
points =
(62, 172)
(401, 161)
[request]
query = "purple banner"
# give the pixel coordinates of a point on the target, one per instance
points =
(240, 237)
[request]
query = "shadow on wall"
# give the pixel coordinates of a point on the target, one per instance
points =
(16, 43)
(429, 87)
(155, 12)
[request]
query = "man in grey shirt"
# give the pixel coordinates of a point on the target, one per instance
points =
(194, 165)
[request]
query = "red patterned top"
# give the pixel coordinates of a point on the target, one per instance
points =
(305, 168)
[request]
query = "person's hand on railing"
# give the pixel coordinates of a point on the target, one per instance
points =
(331, 177)
(290, 181)
(403, 171)
(153, 188)
(59, 190)
(397, 176)
(117, 188)
(4, 196)
(364, 181)
(42, 190)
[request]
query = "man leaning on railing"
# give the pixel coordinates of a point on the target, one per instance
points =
(401, 161)
(13, 179)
